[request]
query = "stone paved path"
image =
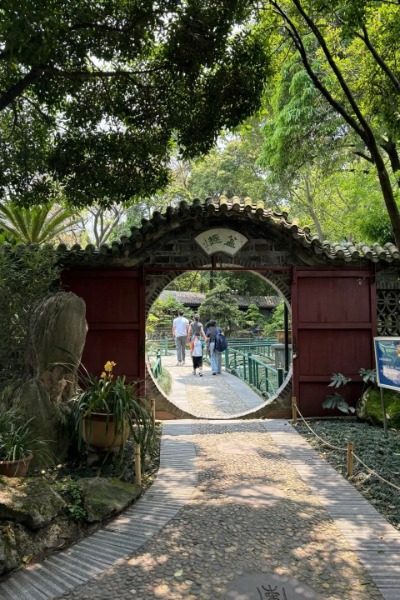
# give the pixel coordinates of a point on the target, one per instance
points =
(238, 506)
(209, 397)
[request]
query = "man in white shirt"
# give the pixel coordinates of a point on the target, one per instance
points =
(180, 328)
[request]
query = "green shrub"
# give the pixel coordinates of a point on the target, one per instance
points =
(370, 407)
(28, 274)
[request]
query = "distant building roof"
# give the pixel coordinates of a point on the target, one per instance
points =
(194, 299)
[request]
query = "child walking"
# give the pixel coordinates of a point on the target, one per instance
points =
(196, 350)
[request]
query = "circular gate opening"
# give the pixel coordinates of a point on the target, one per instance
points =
(255, 367)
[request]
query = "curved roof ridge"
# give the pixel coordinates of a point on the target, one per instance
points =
(256, 210)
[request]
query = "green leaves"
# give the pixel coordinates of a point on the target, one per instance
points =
(37, 225)
(115, 397)
(338, 379)
(15, 437)
(221, 305)
(368, 375)
(94, 93)
(336, 401)
(27, 274)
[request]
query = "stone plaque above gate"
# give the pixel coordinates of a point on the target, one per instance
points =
(221, 239)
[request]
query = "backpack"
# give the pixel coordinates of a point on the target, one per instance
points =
(220, 342)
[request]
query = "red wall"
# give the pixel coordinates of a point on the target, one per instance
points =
(333, 322)
(333, 326)
(116, 318)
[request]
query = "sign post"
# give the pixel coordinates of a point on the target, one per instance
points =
(387, 359)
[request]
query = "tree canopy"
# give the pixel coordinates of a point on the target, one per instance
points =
(97, 97)
(350, 52)
(95, 94)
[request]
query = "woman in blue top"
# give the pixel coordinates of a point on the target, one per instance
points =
(215, 357)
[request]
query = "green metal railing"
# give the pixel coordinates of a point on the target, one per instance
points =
(156, 365)
(164, 345)
(255, 371)
(260, 347)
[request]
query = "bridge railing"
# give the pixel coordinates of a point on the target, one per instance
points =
(255, 371)
(259, 346)
(164, 345)
(155, 362)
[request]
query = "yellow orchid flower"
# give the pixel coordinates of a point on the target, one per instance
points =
(108, 367)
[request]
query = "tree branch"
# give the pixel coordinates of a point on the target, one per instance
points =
(18, 88)
(99, 74)
(378, 58)
(366, 130)
(363, 155)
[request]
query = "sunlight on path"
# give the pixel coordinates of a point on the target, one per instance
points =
(210, 396)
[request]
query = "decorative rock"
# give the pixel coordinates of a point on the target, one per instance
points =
(9, 558)
(369, 407)
(104, 497)
(31, 501)
(57, 338)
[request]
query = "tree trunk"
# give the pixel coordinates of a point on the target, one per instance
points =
(310, 205)
(387, 192)
(391, 150)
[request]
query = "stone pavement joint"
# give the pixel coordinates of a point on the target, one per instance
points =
(234, 502)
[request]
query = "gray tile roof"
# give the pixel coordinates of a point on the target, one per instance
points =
(256, 211)
(196, 298)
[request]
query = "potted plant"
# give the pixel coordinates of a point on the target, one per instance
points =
(107, 409)
(16, 445)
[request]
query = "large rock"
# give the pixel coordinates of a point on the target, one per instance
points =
(57, 338)
(104, 497)
(30, 501)
(9, 555)
(34, 518)
(369, 407)
(19, 545)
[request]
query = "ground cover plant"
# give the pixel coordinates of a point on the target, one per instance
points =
(377, 452)
(114, 465)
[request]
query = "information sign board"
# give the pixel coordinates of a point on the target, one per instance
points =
(387, 358)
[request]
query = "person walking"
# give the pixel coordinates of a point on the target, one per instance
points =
(180, 327)
(196, 328)
(196, 350)
(215, 356)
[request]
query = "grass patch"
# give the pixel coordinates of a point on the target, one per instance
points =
(165, 381)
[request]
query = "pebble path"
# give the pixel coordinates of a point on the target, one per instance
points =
(239, 508)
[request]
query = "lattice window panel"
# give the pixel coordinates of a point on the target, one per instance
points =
(388, 309)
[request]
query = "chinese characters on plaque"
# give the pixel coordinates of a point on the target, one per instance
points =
(221, 240)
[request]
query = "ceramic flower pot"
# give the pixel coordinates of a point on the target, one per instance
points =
(99, 430)
(15, 468)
